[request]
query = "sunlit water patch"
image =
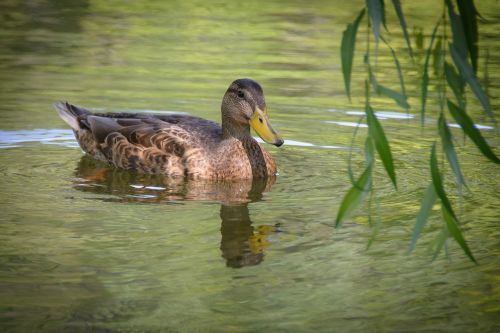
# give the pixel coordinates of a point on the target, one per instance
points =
(62, 137)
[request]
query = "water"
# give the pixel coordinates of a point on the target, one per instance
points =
(84, 247)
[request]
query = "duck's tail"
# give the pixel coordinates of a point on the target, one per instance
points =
(71, 114)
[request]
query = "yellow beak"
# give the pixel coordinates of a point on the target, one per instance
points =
(260, 123)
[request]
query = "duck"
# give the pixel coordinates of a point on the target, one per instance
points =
(177, 145)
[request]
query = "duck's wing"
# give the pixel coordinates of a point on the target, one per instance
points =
(146, 142)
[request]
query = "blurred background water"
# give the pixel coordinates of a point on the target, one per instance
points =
(84, 247)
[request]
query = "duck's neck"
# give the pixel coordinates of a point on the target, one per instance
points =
(241, 133)
(233, 130)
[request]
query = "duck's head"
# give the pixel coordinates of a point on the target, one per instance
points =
(243, 106)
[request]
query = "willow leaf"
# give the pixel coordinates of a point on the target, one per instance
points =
(438, 183)
(399, 98)
(354, 196)
(471, 131)
(369, 151)
(448, 214)
(349, 163)
(468, 75)
(486, 75)
(402, 22)
(377, 15)
(437, 56)
(453, 230)
(440, 241)
(424, 213)
(381, 144)
(347, 51)
(468, 15)
(457, 30)
(425, 77)
(455, 82)
(449, 149)
(400, 74)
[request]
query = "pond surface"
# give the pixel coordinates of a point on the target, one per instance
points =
(85, 247)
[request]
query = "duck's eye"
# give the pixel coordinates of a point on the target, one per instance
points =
(241, 94)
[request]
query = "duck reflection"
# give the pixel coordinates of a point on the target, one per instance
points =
(241, 244)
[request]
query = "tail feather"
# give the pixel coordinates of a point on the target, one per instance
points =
(71, 114)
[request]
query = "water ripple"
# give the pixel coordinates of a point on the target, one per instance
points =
(64, 137)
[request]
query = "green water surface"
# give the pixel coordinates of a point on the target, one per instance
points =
(87, 248)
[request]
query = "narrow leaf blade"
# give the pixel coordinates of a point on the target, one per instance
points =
(381, 144)
(347, 51)
(400, 99)
(457, 30)
(369, 151)
(451, 224)
(438, 183)
(449, 149)
(354, 196)
(448, 214)
(425, 76)
(376, 13)
(468, 15)
(471, 131)
(468, 75)
(437, 56)
(405, 105)
(402, 22)
(440, 241)
(455, 82)
(424, 213)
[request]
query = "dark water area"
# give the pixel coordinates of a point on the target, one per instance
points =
(86, 247)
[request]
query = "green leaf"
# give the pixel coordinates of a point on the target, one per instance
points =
(486, 75)
(449, 149)
(373, 79)
(402, 22)
(400, 73)
(468, 15)
(457, 30)
(354, 197)
(441, 240)
(455, 82)
(369, 151)
(438, 183)
(381, 144)
(347, 51)
(468, 75)
(349, 163)
(377, 15)
(451, 225)
(404, 99)
(399, 98)
(471, 131)
(437, 56)
(424, 213)
(425, 77)
(450, 217)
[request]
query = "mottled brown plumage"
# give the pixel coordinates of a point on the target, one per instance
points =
(179, 145)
